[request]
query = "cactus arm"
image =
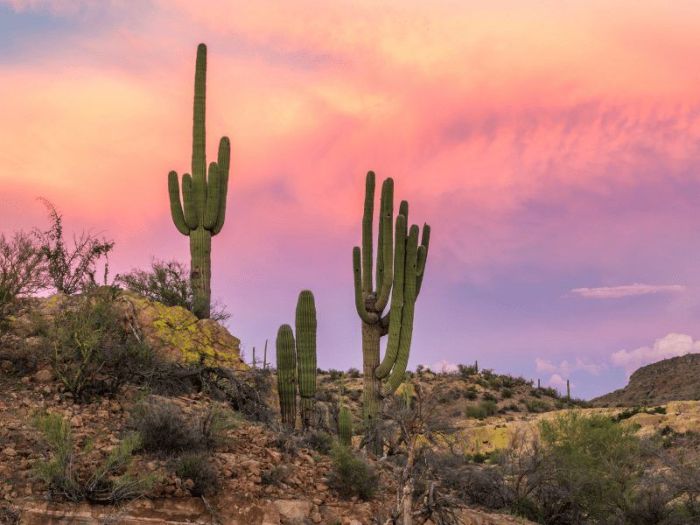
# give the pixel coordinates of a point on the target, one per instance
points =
(397, 301)
(306, 324)
(223, 161)
(175, 205)
(367, 220)
(286, 374)
(422, 257)
(199, 162)
(386, 246)
(403, 209)
(188, 203)
(398, 373)
(213, 195)
(366, 316)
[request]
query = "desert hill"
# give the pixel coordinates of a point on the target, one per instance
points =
(674, 379)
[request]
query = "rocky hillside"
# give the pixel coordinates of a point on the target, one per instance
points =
(210, 446)
(674, 379)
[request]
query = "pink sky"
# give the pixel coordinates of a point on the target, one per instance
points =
(553, 146)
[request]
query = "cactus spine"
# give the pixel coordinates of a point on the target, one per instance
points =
(200, 215)
(286, 375)
(306, 355)
(345, 426)
(400, 265)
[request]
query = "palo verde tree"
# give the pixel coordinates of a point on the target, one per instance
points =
(200, 215)
(400, 265)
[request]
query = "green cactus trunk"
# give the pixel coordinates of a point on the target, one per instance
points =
(286, 375)
(200, 271)
(400, 266)
(345, 427)
(306, 355)
(201, 211)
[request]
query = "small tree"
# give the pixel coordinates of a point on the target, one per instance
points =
(22, 269)
(71, 270)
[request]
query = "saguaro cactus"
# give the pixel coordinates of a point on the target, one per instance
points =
(201, 213)
(286, 375)
(400, 265)
(306, 355)
(345, 426)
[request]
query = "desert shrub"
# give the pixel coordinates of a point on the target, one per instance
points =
(108, 482)
(482, 410)
(471, 393)
(22, 270)
(488, 396)
(353, 373)
(466, 371)
(92, 352)
(72, 270)
(536, 406)
(318, 440)
(549, 392)
(165, 428)
(628, 413)
(335, 374)
(351, 475)
(196, 467)
(506, 393)
(593, 463)
(275, 475)
(166, 282)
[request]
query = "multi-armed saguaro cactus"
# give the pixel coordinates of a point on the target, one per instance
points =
(400, 264)
(296, 363)
(286, 375)
(201, 213)
(306, 354)
(345, 426)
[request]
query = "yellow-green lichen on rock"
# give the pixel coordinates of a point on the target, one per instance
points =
(176, 333)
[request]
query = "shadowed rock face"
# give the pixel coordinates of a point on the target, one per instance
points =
(674, 379)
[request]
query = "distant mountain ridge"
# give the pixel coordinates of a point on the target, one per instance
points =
(673, 379)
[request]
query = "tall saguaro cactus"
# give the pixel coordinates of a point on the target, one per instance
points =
(201, 213)
(400, 265)
(306, 354)
(286, 375)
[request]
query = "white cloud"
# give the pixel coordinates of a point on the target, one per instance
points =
(627, 290)
(558, 382)
(671, 345)
(565, 368)
(444, 366)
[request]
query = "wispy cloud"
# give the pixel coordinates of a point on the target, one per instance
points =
(627, 290)
(566, 368)
(671, 345)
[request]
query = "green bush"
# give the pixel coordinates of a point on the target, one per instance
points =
(537, 406)
(108, 482)
(593, 463)
(166, 282)
(166, 429)
(506, 393)
(351, 475)
(481, 411)
(92, 352)
(196, 467)
(471, 393)
(318, 440)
